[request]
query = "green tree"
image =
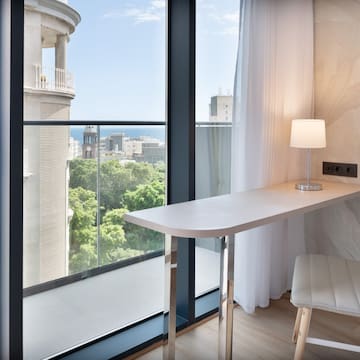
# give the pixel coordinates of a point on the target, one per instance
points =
(115, 179)
(83, 173)
(113, 242)
(84, 258)
(160, 171)
(133, 186)
(115, 217)
(145, 240)
(83, 204)
(83, 253)
(145, 196)
(141, 173)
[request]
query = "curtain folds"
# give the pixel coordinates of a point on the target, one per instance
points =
(273, 85)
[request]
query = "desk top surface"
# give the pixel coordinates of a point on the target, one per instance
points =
(233, 213)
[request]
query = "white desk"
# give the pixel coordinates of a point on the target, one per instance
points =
(227, 215)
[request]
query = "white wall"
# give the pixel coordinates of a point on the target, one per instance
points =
(336, 229)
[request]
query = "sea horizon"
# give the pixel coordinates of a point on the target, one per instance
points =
(134, 131)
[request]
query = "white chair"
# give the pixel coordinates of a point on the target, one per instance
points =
(328, 283)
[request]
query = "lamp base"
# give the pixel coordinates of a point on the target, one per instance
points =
(308, 187)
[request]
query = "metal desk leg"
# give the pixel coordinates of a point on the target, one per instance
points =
(226, 302)
(222, 291)
(170, 298)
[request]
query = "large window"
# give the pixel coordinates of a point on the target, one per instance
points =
(77, 190)
(94, 148)
(216, 46)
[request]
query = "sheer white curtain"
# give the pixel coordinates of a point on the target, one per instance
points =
(273, 85)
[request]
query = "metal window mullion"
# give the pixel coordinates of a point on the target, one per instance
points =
(181, 137)
(16, 178)
(98, 237)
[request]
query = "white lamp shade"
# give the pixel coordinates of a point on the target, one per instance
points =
(308, 134)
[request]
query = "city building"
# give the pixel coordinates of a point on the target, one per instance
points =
(220, 108)
(48, 91)
(75, 148)
(136, 148)
(119, 147)
(153, 152)
(90, 142)
(132, 147)
(114, 142)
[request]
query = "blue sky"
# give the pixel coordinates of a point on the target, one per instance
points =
(117, 57)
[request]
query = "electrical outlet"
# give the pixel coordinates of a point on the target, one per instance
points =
(339, 169)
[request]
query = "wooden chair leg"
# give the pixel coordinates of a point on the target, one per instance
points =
(303, 333)
(297, 325)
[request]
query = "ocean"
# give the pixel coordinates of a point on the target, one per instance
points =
(155, 131)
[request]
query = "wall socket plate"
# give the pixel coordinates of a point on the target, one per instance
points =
(340, 169)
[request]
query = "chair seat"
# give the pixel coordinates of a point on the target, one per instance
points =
(327, 283)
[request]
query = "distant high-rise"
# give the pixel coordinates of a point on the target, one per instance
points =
(48, 91)
(75, 149)
(153, 152)
(114, 142)
(132, 147)
(90, 140)
(220, 108)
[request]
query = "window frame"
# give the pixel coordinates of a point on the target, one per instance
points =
(180, 131)
(16, 179)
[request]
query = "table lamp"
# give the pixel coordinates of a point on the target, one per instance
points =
(308, 134)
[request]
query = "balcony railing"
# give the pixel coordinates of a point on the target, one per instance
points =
(54, 79)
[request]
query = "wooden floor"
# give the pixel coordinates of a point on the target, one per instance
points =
(267, 335)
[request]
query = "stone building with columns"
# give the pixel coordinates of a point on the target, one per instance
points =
(48, 92)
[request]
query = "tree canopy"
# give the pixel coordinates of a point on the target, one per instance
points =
(145, 196)
(122, 188)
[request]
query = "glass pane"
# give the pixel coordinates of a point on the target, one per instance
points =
(47, 215)
(76, 191)
(124, 171)
(132, 177)
(216, 46)
(93, 62)
(213, 146)
(96, 60)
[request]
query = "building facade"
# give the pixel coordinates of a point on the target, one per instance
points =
(115, 142)
(90, 142)
(48, 91)
(153, 152)
(220, 108)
